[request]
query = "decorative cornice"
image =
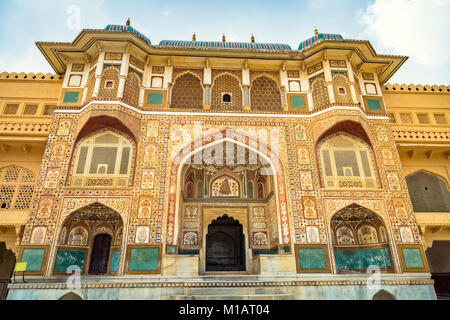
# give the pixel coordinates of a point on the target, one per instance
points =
(217, 284)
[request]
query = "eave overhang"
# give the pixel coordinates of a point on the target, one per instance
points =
(361, 53)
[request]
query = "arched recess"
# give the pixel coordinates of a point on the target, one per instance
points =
(103, 155)
(383, 295)
(361, 240)
(265, 94)
(16, 188)
(109, 84)
(77, 236)
(132, 88)
(341, 89)
(274, 167)
(344, 139)
(7, 262)
(320, 95)
(70, 296)
(428, 192)
(187, 92)
(226, 83)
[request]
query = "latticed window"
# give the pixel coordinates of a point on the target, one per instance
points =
(406, 117)
(16, 188)
(346, 162)
(440, 118)
(103, 160)
(423, 118)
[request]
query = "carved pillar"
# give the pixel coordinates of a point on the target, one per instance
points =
(123, 74)
(352, 82)
(246, 96)
(98, 74)
(207, 97)
(329, 80)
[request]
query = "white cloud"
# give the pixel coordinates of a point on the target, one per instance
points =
(166, 12)
(417, 28)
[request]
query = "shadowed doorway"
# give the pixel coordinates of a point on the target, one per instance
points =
(225, 245)
(100, 254)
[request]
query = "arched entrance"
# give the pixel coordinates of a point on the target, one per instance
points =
(91, 239)
(100, 254)
(225, 248)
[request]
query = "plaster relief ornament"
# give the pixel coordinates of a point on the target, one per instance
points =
(191, 213)
(51, 179)
(64, 127)
(300, 132)
(148, 178)
(306, 181)
(303, 155)
(190, 239)
(260, 239)
(225, 187)
(406, 234)
(58, 152)
(382, 134)
(152, 129)
(142, 235)
(312, 234)
(345, 236)
(38, 235)
(400, 208)
(45, 207)
(387, 156)
(309, 207)
(394, 183)
(145, 208)
(78, 237)
(150, 155)
(367, 235)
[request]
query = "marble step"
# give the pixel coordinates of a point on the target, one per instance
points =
(234, 297)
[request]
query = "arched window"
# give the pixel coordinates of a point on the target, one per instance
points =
(265, 95)
(346, 162)
(103, 159)
(16, 188)
(187, 92)
(428, 192)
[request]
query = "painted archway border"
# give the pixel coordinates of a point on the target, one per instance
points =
(248, 143)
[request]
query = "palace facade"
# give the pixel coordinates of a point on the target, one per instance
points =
(199, 169)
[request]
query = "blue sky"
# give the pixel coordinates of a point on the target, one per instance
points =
(416, 28)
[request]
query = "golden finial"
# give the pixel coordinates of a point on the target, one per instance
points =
(253, 38)
(194, 38)
(223, 38)
(316, 32)
(128, 22)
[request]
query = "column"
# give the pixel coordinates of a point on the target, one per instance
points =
(351, 78)
(98, 73)
(207, 82)
(328, 80)
(123, 74)
(246, 88)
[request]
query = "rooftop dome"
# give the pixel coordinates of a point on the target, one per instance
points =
(114, 27)
(318, 38)
(225, 45)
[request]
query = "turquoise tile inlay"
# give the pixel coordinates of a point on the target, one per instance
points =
(68, 258)
(312, 258)
(155, 98)
(362, 259)
(71, 96)
(413, 258)
(115, 259)
(297, 102)
(34, 259)
(143, 259)
(374, 105)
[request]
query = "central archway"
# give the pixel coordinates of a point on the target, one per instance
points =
(225, 248)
